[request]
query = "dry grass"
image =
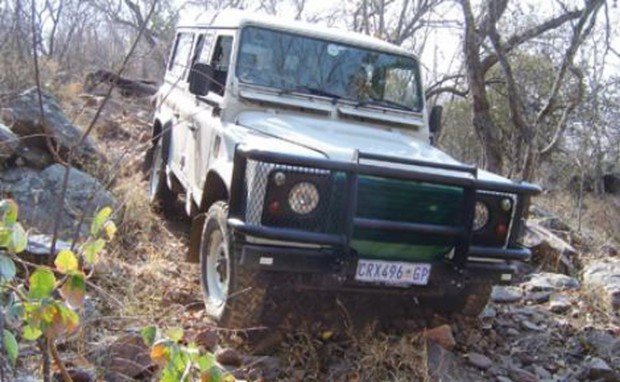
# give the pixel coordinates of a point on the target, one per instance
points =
(600, 220)
(369, 356)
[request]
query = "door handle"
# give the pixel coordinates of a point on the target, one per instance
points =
(192, 127)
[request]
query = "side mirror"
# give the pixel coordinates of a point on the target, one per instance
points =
(200, 79)
(434, 122)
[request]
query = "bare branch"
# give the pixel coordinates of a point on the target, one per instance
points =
(529, 34)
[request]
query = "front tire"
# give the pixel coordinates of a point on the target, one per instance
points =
(475, 298)
(234, 296)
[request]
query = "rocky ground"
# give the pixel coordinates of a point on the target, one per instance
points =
(558, 322)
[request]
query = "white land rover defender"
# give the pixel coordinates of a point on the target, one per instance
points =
(306, 151)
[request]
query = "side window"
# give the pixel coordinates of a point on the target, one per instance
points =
(180, 57)
(203, 48)
(205, 51)
(221, 62)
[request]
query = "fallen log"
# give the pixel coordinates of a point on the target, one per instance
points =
(127, 87)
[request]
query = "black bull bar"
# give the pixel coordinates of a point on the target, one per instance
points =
(353, 169)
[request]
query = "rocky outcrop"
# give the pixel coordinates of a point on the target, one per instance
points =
(602, 281)
(24, 116)
(9, 143)
(549, 251)
(37, 195)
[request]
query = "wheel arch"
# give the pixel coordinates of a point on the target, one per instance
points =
(156, 135)
(214, 189)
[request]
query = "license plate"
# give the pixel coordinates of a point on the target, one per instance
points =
(391, 272)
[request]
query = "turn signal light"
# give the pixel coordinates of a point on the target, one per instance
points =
(274, 207)
(501, 230)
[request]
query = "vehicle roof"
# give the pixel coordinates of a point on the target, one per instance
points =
(238, 18)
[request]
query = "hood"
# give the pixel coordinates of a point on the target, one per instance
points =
(338, 140)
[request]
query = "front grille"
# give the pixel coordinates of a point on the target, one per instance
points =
(377, 198)
(410, 202)
(407, 201)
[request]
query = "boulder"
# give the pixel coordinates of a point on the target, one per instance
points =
(9, 143)
(11, 176)
(601, 343)
(128, 357)
(441, 335)
(550, 282)
(37, 196)
(549, 251)
(26, 122)
(445, 366)
(598, 370)
(506, 294)
(602, 281)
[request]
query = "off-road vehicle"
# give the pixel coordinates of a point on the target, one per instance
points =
(306, 151)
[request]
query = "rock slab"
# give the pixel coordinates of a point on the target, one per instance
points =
(602, 280)
(25, 116)
(506, 294)
(37, 196)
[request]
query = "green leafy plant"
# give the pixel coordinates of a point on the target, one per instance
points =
(179, 361)
(44, 306)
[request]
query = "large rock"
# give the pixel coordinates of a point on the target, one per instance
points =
(602, 280)
(598, 370)
(550, 282)
(26, 121)
(127, 358)
(37, 196)
(441, 335)
(9, 143)
(549, 251)
(11, 176)
(445, 366)
(506, 294)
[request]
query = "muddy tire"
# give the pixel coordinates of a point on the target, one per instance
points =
(475, 298)
(234, 296)
(161, 198)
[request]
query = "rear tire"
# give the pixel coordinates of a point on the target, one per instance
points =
(161, 198)
(234, 296)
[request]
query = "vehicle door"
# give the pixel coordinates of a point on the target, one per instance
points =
(205, 121)
(178, 100)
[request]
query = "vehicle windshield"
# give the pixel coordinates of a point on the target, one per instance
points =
(294, 63)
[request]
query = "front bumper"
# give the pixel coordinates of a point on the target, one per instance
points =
(336, 255)
(325, 269)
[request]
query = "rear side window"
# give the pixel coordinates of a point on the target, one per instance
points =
(180, 56)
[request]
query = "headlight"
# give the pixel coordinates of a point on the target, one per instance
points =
(303, 198)
(481, 216)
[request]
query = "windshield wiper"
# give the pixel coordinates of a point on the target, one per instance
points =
(383, 102)
(310, 90)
